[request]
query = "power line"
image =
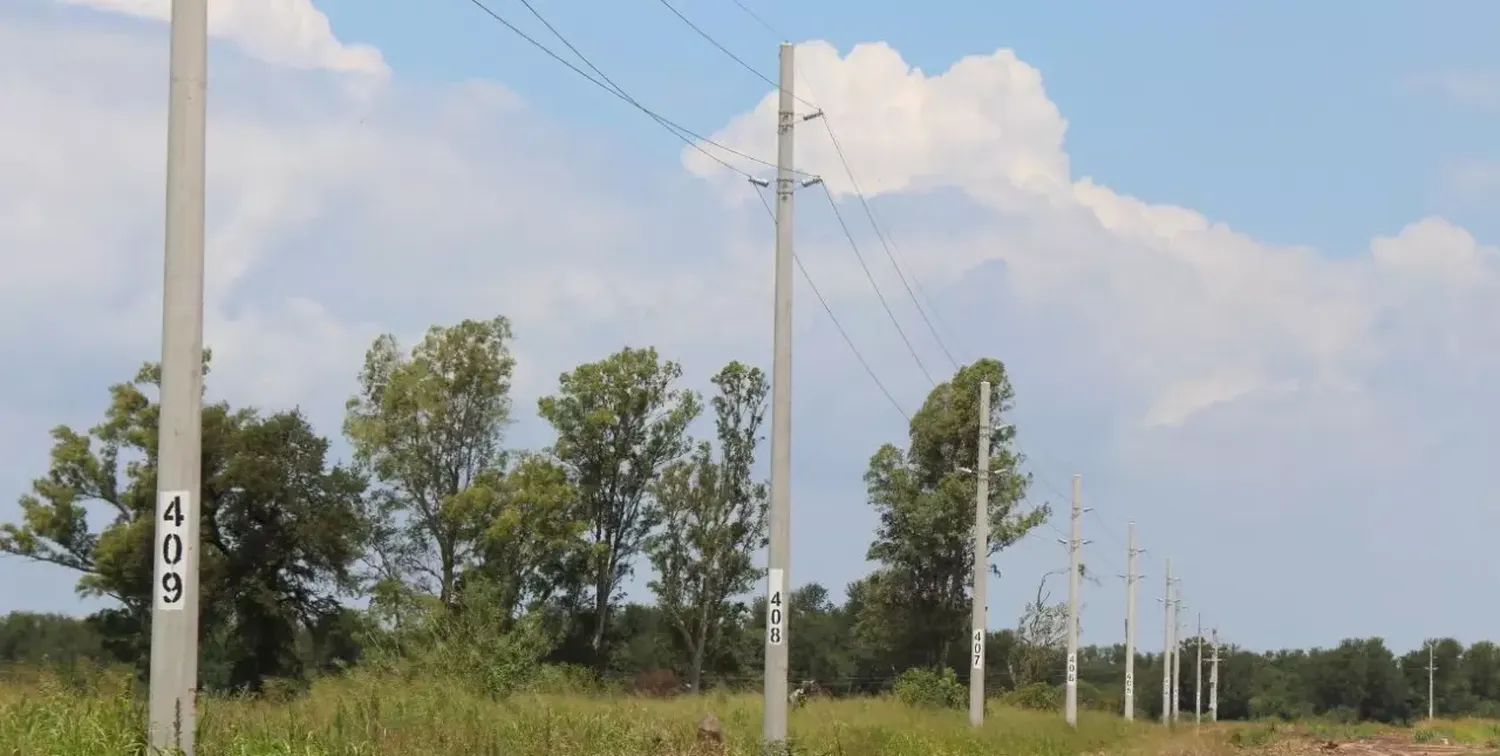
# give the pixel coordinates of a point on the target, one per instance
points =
(826, 308)
(752, 69)
(855, 246)
(764, 23)
(865, 203)
(687, 136)
(886, 243)
(922, 292)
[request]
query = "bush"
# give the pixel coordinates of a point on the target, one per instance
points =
(471, 643)
(566, 679)
(931, 688)
(1037, 696)
(1253, 737)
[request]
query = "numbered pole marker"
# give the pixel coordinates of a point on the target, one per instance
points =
(776, 608)
(1072, 669)
(977, 649)
(173, 557)
(1130, 687)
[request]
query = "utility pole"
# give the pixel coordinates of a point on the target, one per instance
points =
(1213, 681)
(173, 701)
(1431, 677)
(1075, 544)
(1131, 577)
(1198, 685)
(1177, 656)
(779, 549)
(1166, 650)
(980, 624)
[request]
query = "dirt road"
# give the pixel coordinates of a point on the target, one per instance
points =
(1396, 744)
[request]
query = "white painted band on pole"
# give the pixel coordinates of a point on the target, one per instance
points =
(977, 650)
(174, 551)
(776, 608)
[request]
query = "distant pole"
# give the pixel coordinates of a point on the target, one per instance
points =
(1431, 677)
(1075, 543)
(779, 551)
(1166, 650)
(1177, 656)
(173, 700)
(980, 623)
(1131, 577)
(1198, 684)
(1213, 681)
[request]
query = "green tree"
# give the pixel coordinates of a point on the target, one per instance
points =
(925, 495)
(280, 528)
(36, 639)
(1481, 667)
(430, 426)
(619, 422)
(714, 518)
(533, 547)
(1041, 638)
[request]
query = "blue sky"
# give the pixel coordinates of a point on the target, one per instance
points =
(1291, 404)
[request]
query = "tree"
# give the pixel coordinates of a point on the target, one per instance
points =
(714, 518)
(37, 639)
(619, 421)
(1041, 636)
(430, 426)
(925, 498)
(533, 547)
(280, 528)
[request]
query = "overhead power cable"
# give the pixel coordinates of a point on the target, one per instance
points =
(871, 277)
(687, 136)
(709, 37)
(908, 279)
(834, 318)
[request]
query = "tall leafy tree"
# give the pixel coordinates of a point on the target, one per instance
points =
(619, 422)
(430, 425)
(713, 517)
(533, 547)
(281, 528)
(925, 495)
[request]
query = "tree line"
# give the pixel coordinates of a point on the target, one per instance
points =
(440, 548)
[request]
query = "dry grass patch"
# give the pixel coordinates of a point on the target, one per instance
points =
(367, 716)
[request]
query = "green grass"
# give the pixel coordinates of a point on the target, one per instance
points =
(365, 716)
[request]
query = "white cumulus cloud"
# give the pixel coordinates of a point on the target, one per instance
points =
(1140, 335)
(283, 32)
(1184, 300)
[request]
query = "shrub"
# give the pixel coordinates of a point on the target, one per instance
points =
(1037, 696)
(931, 688)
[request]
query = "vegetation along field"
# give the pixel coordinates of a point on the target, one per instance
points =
(445, 592)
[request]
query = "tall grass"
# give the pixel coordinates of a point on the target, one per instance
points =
(367, 715)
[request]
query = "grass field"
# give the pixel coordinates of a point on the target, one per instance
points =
(369, 717)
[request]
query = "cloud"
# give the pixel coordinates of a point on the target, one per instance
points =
(1140, 335)
(1190, 311)
(1473, 179)
(1474, 88)
(283, 32)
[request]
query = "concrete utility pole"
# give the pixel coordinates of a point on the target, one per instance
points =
(1431, 678)
(1075, 543)
(1213, 681)
(1177, 657)
(779, 549)
(1198, 684)
(980, 624)
(1166, 650)
(172, 709)
(1131, 577)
